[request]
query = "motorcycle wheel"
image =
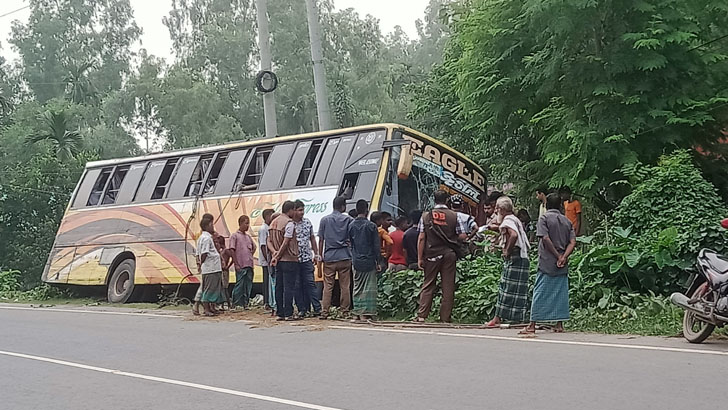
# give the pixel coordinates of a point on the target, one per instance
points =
(694, 329)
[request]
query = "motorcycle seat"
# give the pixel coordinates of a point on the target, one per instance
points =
(715, 262)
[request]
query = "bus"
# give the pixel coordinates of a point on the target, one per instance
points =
(133, 222)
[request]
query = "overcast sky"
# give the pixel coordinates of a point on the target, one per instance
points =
(155, 39)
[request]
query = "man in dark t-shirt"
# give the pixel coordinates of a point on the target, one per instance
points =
(365, 252)
(409, 241)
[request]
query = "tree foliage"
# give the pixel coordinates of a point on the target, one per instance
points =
(66, 143)
(570, 91)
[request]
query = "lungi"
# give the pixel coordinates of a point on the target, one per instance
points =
(212, 288)
(365, 293)
(513, 291)
(550, 298)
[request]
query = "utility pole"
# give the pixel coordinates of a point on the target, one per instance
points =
(319, 71)
(266, 81)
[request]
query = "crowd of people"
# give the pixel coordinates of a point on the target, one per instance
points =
(356, 247)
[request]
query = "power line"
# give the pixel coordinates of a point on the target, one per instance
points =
(708, 43)
(43, 191)
(14, 11)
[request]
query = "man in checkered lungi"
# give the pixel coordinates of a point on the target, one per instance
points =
(513, 292)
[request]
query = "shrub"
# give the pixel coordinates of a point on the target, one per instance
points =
(11, 289)
(9, 281)
(670, 215)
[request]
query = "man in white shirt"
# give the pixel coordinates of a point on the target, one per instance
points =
(210, 267)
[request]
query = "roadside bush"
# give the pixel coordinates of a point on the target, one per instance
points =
(11, 289)
(9, 281)
(658, 229)
(398, 293)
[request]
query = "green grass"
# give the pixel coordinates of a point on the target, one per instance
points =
(667, 322)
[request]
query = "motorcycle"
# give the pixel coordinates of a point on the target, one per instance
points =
(706, 302)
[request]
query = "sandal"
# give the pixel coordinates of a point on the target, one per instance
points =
(418, 319)
(209, 314)
(491, 325)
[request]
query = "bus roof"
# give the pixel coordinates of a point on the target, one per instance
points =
(264, 141)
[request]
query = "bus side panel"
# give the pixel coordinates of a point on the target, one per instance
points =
(158, 236)
(85, 268)
(59, 259)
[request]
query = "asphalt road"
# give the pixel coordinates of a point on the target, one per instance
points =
(74, 360)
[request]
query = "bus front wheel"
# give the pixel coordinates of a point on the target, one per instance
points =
(121, 283)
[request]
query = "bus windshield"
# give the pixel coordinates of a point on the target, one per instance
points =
(434, 166)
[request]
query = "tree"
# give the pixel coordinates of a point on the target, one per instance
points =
(78, 85)
(214, 41)
(63, 35)
(67, 144)
(576, 90)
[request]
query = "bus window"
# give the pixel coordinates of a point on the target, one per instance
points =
(163, 183)
(324, 163)
(230, 171)
(214, 174)
(343, 150)
(308, 163)
(98, 188)
(301, 164)
(365, 185)
(84, 189)
(131, 183)
(114, 185)
(194, 187)
(348, 186)
(273, 176)
(254, 171)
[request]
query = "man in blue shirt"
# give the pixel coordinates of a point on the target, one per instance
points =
(364, 240)
(334, 240)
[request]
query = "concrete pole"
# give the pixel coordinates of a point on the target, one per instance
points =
(269, 100)
(319, 71)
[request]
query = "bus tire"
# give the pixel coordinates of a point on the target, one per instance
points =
(121, 283)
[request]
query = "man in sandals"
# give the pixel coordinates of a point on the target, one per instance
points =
(550, 301)
(440, 230)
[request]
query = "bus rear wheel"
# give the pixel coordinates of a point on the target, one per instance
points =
(121, 284)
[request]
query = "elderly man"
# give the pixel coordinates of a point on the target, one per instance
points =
(513, 290)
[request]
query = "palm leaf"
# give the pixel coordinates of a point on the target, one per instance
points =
(67, 143)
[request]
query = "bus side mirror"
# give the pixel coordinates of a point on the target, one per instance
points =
(404, 167)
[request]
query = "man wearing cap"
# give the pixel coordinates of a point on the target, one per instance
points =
(457, 204)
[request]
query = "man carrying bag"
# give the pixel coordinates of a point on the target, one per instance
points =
(439, 246)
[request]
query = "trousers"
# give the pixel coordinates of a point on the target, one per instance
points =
(445, 267)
